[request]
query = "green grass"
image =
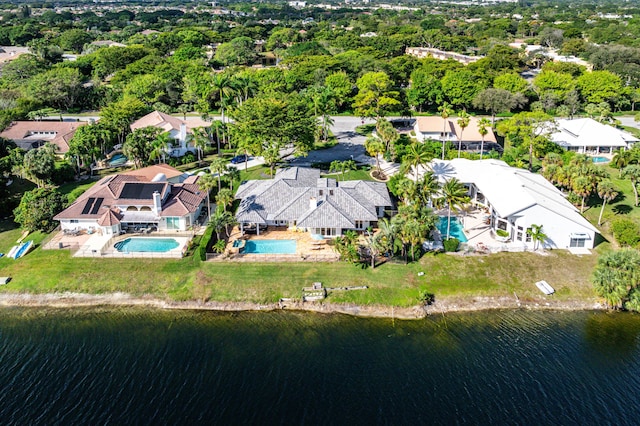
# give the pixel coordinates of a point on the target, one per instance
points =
(46, 271)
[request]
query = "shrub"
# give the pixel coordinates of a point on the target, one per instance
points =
(626, 232)
(204, 243)
(451, 244)
(502, 233)
(62, 173)
(37, 208)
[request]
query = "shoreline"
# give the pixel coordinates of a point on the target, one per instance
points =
(440, 307)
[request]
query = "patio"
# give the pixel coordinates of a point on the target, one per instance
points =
(307, 248)
(477, 228)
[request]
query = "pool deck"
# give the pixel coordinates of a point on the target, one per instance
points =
(307, 249)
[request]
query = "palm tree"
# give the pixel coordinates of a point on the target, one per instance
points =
(417, 155)
(200, 139)
(463, 122)
(582, 186)
(231, 175)
(387, 234)
(184, 109)
(224, 198)
(375, 147)
(221, 219)
(483, 125)
(607, 192)
(160, 146)
(632, 172)
(445, 111)
(621, 159)
(454, 194)
(223, 87)
(206, 183)
(536, 234)
(244, 87)
(218, 165)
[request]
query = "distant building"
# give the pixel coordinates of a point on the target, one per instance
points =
(425, 52)
(178, 129)
(33, 134)
(436, 128)
(587, 136)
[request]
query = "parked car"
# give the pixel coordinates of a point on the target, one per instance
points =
(240, 159)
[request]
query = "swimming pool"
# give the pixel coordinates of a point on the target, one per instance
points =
(155, 245)
(270, 247)
(118, 160)
(455, 230)
(600, 159)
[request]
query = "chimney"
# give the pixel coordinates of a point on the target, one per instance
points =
(157, 203)
(313, 203)
(183, 135)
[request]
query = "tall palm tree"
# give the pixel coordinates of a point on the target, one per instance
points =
(206, 183)
(582, 186)
(621, 159)
(417, 155)
(463, 122)
(160, 146)
(632, 172)
(387, 232)
(224, 198)
(607, 192)
(445, 111)
(218, 165)
(200, 139)
(375, 147)
(244, 87)
(223, 87)
(483, 125)
(231, 175)
(454, 194)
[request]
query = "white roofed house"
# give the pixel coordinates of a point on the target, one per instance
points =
(515, 199)
(587, 136)
(299, 197)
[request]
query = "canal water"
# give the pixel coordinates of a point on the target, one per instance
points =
(132, 366)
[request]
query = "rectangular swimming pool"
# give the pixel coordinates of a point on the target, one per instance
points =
(270, 247)
(455, 230)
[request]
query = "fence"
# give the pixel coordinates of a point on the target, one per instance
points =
(272, 257)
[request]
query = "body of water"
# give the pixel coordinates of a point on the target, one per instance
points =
(133, 366)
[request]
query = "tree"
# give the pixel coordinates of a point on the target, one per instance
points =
(375, 147)
(616, 275)
(600, 86)
(606, 191)
(239, 51)
(206, 183)
(37, 209)
(223, 88)
(138, 145)
(483, 123)
(218, 166)
(224, 198)
(417, 155)
(120, 114)
(74, 40)
(59, 87)
(340, 87)
(200, 139)
(511, 82)
(375, 96)
(159, 147)
(536, 234)
(582, 186)
(39, 164)
(387, 134)
(265, 124)
(460, 87)
(632, 172)
(425, 90)
(445, 111)
(463, 122)
(231, 174)
(454, 194)
(530, 129)
(495, 101)
(621, 159)
(555, 85)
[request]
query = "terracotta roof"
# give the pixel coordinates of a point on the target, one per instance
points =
(109, 218)
(128, 189)
(435, 124)
(60, 132)
(158, 119)
(148, 173)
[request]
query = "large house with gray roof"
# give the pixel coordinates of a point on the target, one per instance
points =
(299, 198)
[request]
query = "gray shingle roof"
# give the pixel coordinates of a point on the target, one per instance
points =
(300, 194)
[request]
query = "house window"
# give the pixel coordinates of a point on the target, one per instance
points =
(321, 192)
(359, 224)
(173, 223)
(502, 224)
(73, 221)
(528, 235)
(331, 192)
(145, 209)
